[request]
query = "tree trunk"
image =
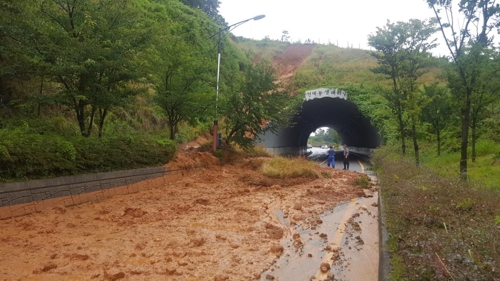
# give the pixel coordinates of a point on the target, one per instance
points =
(91, 122)
(438, 135)
(465, 135)
(102, 116)
(473, 140)
(402, 132)
(415, 143)
(80, 116)
(40, 93)
(172, 130)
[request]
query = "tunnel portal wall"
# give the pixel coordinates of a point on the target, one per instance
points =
(342, 115)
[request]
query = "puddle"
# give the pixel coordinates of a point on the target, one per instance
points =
(304, 251)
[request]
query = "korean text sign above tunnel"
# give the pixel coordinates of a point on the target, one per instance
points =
(325, 92)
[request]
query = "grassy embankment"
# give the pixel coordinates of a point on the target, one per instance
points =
(440, 228)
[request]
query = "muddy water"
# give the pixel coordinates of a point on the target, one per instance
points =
(346, 239)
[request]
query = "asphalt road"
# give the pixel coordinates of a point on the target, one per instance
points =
(357, 162)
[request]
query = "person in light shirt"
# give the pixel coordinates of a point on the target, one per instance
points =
(346, 157)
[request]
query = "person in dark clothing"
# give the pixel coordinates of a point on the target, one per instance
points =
(331, 157)
(346, 157)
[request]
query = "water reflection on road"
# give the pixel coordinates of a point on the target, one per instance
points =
(346, 240)
(356, 163)
(343, 246)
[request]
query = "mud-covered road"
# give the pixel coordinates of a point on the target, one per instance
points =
(214, 223)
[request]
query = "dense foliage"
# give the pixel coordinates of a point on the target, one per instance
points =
(120, 69)
(26, 153)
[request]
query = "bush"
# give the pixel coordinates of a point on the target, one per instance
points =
(25, 155)
(122, 152)
(362, 182)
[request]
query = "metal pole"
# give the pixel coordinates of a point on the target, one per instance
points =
(216, 120)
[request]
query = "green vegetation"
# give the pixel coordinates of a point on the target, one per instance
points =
(324, 136)
(439, 228)
(101, 84)
(28, 154)
(401, 56)
(473, 66)
(284, 168)
(484, 172)
(363, 181)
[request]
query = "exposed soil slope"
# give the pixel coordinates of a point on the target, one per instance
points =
(287, 63)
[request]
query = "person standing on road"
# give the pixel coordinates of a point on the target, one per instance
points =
(331, 157)
(346, 157)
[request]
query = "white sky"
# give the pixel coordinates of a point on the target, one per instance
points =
(342, 22)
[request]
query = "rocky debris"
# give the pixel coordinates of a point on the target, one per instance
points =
(325, 267)
(277, 249)
(45, 268)
(114, 277)
(134, 212)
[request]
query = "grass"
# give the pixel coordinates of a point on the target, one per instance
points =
(484, 172)
(439, 228)
(281, 167)
(258, 151)
(362, 182)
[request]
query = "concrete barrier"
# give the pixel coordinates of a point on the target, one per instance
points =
(21, 198)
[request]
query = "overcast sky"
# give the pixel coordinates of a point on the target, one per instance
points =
(340, 22)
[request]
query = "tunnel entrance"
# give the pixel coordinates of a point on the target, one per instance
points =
(324, 108)
(323, 136)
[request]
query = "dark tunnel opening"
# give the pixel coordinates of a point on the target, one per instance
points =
(342, 115)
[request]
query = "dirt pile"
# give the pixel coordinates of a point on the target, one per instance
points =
(192, 159)
(213, 223)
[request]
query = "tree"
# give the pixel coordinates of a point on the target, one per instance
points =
(285, 37)
(257, 106)
(181, 65)
(402, 53)
(90, 48)
(485, 93)
(325, 136)
(209, 7)
(17, 19)
(467, 38)
(438, 112)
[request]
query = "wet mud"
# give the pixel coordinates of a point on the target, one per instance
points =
(211, 223)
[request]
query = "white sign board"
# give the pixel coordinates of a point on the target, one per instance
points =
(324, 93)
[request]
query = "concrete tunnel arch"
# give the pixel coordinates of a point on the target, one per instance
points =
(324, 108)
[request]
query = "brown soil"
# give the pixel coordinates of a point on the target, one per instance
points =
(212, 223)
(287, 63)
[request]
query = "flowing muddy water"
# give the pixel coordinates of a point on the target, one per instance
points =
(216, 223)
(340, 244)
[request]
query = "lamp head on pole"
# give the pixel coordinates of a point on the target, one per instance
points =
(259, 17)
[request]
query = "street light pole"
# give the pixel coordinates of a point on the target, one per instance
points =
(219, 47)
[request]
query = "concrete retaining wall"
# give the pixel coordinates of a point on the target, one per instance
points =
(290, 150)
(20, 198)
